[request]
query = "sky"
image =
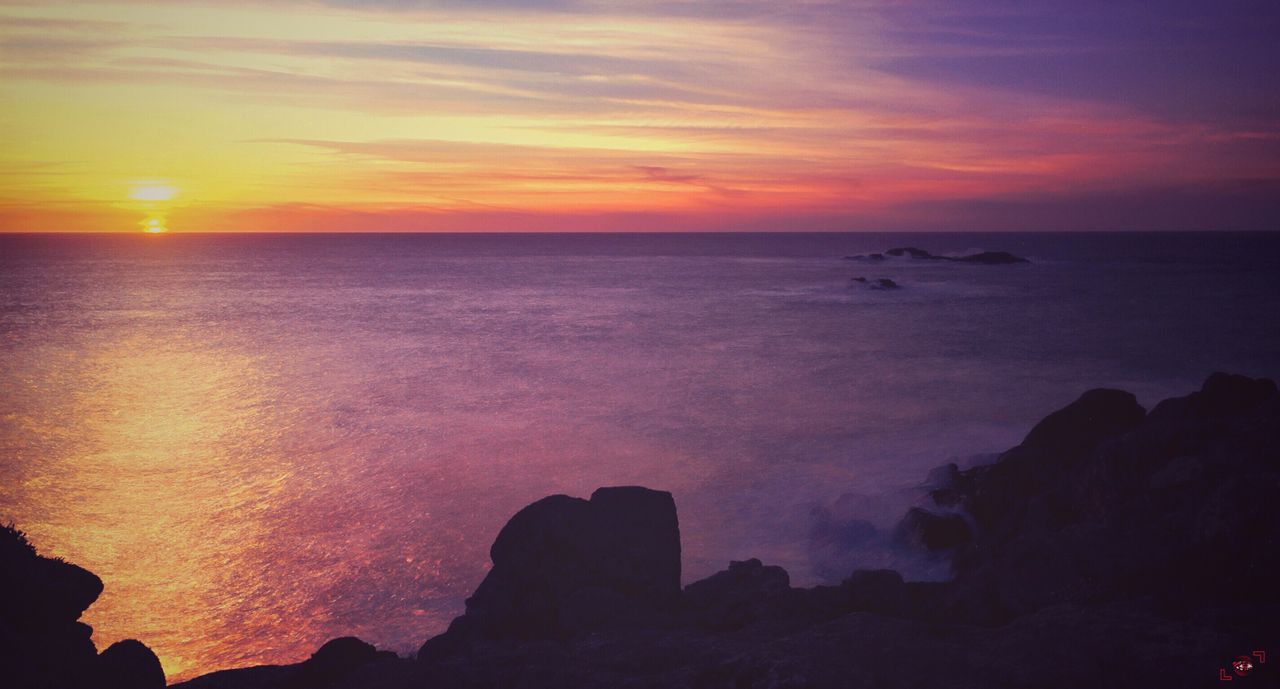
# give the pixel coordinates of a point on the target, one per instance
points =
(661, 115)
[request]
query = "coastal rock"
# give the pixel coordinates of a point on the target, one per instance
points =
(932, 531)
(1081, 425)
(1112, 548)
(129, 664)
(732, 598)
(560, 557)
(342, 663)
(41, 642)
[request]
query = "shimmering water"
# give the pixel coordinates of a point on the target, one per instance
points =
(263, 442)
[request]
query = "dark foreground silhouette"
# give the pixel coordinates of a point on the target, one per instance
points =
(1112, 548)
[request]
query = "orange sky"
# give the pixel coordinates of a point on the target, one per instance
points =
(293, 115)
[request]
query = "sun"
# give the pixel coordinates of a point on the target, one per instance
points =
(155, 199)
(152, 192)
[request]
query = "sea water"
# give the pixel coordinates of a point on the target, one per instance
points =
(261, 442)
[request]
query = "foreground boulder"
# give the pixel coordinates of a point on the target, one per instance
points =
(342, 662)
(566, 564)
(42, 642)
(129, 664)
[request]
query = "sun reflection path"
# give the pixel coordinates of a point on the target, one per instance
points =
(165, 491)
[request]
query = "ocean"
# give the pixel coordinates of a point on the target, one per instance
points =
(261, 442)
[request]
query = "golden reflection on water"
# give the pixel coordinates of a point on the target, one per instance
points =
(160, 494)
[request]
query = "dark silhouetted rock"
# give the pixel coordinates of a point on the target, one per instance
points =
(41, 642)
(342, 663)
(992, 258)
(911, 251)
(1081, 425)
(736, 596)
(933, 531)
(561, 554)
(875, 590)
(878, 283)
(341, 654)
(129, 664)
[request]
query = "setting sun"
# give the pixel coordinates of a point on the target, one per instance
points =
(153, 192)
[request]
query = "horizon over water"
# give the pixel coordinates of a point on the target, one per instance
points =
(263, 441)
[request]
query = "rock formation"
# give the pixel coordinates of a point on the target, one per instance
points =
(991, 258)
(42, 642)
(1111, 548)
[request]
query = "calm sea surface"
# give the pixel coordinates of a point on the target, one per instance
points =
(263, 442)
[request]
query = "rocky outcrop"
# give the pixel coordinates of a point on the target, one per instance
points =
(564, 565)
(878, 283)
(42, 642)
(990, 258)
(342, 662)
(129, 664)
(1111, 548)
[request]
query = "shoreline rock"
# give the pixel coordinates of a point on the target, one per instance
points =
(1112, 547)
(42, 642)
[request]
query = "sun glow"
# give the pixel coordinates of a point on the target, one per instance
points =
(155, 199)
(153, 192)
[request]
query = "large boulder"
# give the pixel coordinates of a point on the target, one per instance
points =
(129, 664)
(1081, 425)
(560, 561)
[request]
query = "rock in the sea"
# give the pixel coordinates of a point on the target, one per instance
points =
(911, 251)
(992, 258)
(129, 664)
(878, 283)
